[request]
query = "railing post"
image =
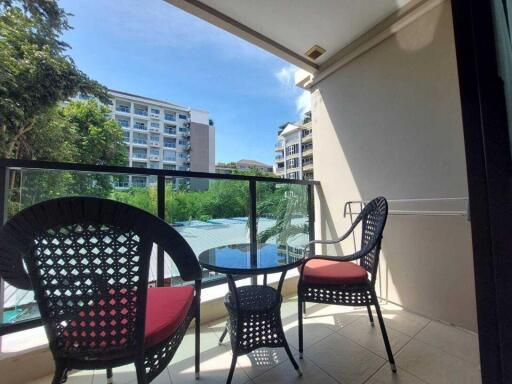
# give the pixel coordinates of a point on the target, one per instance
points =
(311, 212)
(160, 202)
(253, 226)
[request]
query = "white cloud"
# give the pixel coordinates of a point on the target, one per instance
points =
(303, 103)
(302, 99)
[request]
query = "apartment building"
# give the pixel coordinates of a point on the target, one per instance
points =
(242, 165)
(163, 135)
(294, 151)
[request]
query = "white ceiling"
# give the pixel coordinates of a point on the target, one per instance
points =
(300, 24)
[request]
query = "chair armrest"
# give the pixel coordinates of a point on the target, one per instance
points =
(338, 240)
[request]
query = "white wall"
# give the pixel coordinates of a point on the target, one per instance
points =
(389, 123)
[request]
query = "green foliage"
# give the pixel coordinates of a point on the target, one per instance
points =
(35, 73)
(78, 132)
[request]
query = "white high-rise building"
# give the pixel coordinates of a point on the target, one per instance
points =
(162, 135)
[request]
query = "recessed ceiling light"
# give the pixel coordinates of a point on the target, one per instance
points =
(315, 52)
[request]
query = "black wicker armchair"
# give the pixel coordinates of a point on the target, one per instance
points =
(337, 280)
(87, 260)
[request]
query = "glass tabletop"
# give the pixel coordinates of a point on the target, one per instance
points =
(240, 259)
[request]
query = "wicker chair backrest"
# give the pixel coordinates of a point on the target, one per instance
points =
(87, 260)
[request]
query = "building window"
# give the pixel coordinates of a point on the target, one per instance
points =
(123, 122)
(154, 165)
(170, 116)
(139, 154)
(138, 181)
(169, 143)
(142, 111)
(154, 152)
(184, 117)
(155, 125)
(169, 167)
(292, 163)
(154, 138)
(155, 111)
(183, 129)
(123, 108)
(182, 155)
(306, 161)
(139, 125)
(139, 138)
(183, 142)
(169, 156)
(292, 149)
(126, 136)
(170, 130)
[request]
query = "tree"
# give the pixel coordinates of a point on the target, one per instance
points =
(77, 132)
(35, 72)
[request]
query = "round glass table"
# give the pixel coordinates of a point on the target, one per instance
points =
(254, 310)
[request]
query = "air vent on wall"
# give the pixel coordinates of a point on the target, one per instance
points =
(315, 52)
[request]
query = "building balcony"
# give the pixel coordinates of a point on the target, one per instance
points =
(169, 132)
(154, 116)
(307, 167)
(154, 129)
(169, 159)
(155, 144)
(123, 109)
(307, 138)
(154, 157)
(307, 152)
(279, 147)
(140, 112)
(170, 145)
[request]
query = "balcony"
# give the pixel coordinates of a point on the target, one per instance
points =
(307, 166)
(307, 152)
(154, 129)
(170, 132)
(169, 145)
(123, 109)
(138, 155)
(140, 112)
(155, 144)
(389, 118)
(154, 157)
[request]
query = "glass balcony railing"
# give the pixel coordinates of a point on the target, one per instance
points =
(123, 108)
(138, 155)
(208, 211)
(140, 112)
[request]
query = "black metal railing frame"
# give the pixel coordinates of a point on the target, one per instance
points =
(7, 165)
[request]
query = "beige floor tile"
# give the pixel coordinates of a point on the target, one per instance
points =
(458, 342)
(186, 350)
(215, 363)
(436, 366)
(262, 360)
(403, 321)
(370, 337)
(386, 376)
(335, 316)
(286, 374)
(344, 360)
(313, 332)
(122, 375)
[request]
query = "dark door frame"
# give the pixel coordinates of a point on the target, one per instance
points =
(489, 173)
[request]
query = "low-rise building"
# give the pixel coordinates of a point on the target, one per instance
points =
(242, 165)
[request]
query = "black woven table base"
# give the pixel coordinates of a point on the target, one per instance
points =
(257, 323)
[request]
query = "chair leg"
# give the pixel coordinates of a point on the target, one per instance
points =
(384, 332)
(140, 369)
(370, 315)
(302, 305)
(60, 375)
(198, 345)
(110, 379)
(232, 368)
(224, 333)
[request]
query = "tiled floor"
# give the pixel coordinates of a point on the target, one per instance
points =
(340, 347)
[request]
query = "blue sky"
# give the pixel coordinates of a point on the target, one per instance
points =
(150, 48)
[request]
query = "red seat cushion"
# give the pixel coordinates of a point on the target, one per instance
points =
(166, 309)
(318, 271)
